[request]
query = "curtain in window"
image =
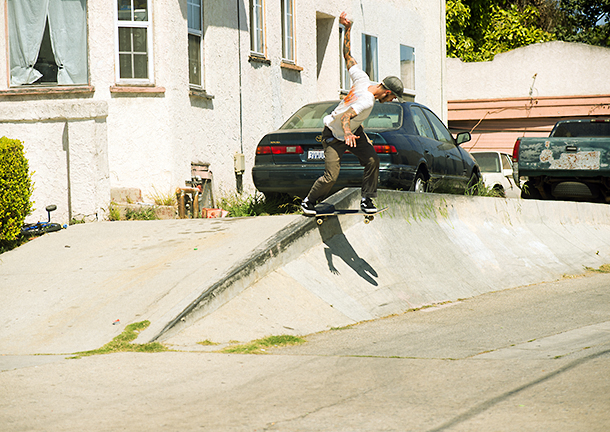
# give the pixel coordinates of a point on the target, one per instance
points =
(68, 30)
(26, 23)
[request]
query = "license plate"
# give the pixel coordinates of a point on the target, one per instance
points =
(315, 154)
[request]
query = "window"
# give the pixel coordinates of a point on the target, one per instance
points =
(442, 134)
(421, 123)
(369, 56)
(288, 31)
(134, 41)
(195, 36)
(407, 66)
(257, 27)
(345, 79)
(48, 42)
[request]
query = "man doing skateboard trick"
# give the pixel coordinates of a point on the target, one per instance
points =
(343, 131)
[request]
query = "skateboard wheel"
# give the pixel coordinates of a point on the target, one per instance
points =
(319, 221)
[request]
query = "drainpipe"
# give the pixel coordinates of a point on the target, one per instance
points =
(443, 40)
(239, 158)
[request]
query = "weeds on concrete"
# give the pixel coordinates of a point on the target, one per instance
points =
(604, 268)
(162, 199)
(207, 342)
(122, 343)
(239, 205)
(481, 190)
(144, 213)
(259, 346)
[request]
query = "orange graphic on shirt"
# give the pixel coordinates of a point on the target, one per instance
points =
(350, 98)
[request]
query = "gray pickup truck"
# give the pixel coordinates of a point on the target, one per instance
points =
(573, 163)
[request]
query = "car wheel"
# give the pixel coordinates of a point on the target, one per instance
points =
(420, 184)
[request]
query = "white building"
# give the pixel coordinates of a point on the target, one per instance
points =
(128, 93)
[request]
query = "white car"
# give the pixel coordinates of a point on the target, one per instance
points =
(497, 172)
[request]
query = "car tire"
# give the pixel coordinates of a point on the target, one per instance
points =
(420, 183)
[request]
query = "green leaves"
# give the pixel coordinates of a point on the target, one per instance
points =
(15, 189)
(477, 30)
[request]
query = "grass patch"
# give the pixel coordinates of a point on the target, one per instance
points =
(122, 343)
(258, 205)
(208, 342)
(481, 190)
(161, 199)
(144, 213)
(605, 268)
(259, 346)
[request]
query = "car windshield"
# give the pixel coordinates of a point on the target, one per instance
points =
(489, 162)
(383, 116)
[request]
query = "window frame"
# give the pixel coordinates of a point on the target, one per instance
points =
(345, 79)
(148, 25)
(374, 73)
(288, 31)
(197, 33)
(254, 50)
(408, 90)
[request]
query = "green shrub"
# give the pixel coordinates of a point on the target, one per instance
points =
(15, 189)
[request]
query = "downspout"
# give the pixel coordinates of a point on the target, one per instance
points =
(239, 157)
(443, 40)
(241, 104)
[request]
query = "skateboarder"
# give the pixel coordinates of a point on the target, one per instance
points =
(343, 130)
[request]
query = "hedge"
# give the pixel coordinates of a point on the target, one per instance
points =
(15, 188)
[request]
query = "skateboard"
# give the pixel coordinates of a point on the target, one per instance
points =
(322, 216)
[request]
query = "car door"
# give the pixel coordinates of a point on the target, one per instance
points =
(430, 146)
(453, 164)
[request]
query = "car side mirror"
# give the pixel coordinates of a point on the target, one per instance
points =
(463, 137)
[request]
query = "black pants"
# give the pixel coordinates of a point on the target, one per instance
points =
(333, 151)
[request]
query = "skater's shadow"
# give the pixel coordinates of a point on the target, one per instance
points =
(337, 245)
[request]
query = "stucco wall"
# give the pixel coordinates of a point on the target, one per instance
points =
(561, 69)
(147, 140)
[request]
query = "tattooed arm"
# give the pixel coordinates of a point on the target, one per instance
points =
(347, 41)
(350, 138)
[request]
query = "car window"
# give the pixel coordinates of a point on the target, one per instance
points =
(384, 116)
(506, 162)
(582, 129)
(421, 123)
(488, 162)
(442, 134)
(310, 116)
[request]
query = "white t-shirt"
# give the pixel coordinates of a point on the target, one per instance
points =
(359, 98)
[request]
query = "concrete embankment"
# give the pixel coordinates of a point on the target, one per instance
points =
(240, 279)
(425, 249)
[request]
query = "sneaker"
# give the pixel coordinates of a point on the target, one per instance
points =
(368, 206)
(308, 207)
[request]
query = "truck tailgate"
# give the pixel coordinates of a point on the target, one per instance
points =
(556, 156)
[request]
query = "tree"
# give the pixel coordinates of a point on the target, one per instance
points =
(477, 30)
(585, 21)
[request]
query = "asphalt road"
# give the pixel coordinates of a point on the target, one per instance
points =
(534, 358)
